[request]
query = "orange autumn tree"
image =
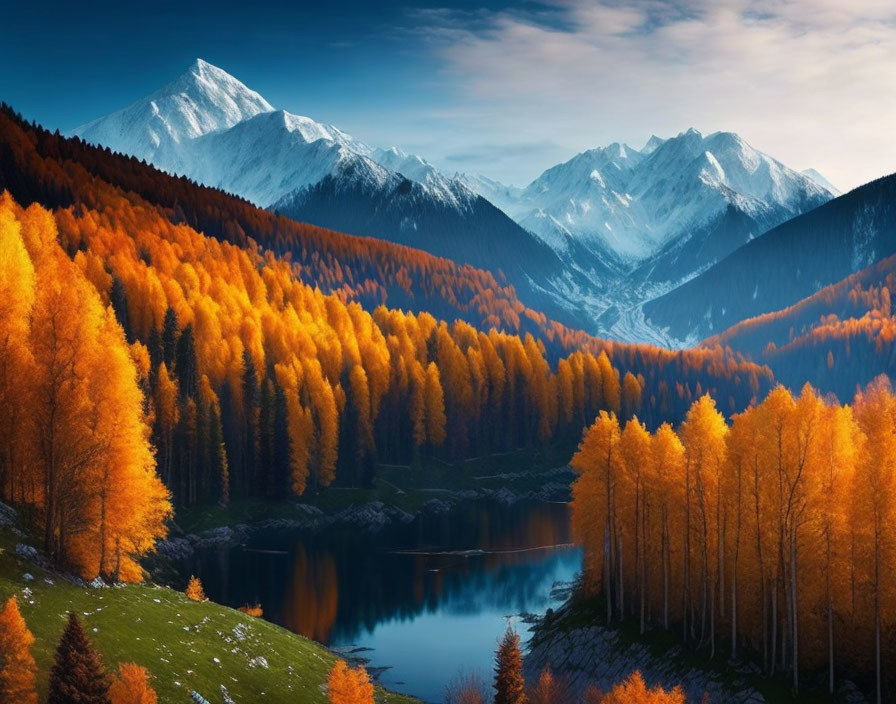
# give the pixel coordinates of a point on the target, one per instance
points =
(79, 452)
(703, 435)
(131, 686)
(548, 690)
(594, 516)
(347, 685)
(17, 293)
(774, 533)
(874, 495)
(634, 691)
(17, 667)
(194, 590)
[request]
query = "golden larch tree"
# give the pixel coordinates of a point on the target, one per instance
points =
(18, 671)
(131, 685)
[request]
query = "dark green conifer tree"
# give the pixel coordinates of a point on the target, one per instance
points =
(78, 675)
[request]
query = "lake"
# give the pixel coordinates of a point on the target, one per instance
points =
(425, 601)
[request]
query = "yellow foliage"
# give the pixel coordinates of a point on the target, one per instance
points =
(194, 589)
(131, 686)
(347, 685)
(17, 667)
(635, 691)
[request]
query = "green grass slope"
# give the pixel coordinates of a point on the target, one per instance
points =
(185, 645)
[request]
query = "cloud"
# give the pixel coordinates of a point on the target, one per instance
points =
(812, 82)
(478, 153)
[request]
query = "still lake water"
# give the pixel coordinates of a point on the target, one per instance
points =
(427, 601)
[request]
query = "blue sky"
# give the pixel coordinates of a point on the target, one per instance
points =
(505, 89)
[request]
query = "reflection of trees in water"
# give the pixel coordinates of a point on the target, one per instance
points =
(381, 585)
(311, 597)
(404, 587)
(335, 586)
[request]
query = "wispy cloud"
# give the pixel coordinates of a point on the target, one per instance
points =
(813, 82)
(498, 153)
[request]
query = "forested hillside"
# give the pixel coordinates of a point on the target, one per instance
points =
(771, 537)
(784, 265)
(840, 338)
(266, 373)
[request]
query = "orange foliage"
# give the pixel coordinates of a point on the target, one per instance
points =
(194, 589)
(131, 686)
(776, 533)
(79, 449)
(347, 685)
(17, 667)
(635, 691)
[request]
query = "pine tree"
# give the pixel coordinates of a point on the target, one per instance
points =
(170, 331)
(185, 364)
(510, 687)
(78, 676)
(17, 667)
(194, 589)
(119, 301)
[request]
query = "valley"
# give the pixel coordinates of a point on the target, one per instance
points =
(589, 242)
(465, 400)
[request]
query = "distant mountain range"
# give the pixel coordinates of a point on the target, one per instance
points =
(785, 265)
(209, 126)
(590, 241)
(653, 218)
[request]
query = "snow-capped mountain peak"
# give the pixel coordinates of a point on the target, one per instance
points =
(311, 130)
(624, 224)
(628, 204)
(213, 98)
(209, 125)
(652, 144)
(203, 99)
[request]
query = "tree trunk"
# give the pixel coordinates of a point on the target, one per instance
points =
(795, 612)
(687, 550)
(830, 614)
(877, 677)
(773, 660)
(665, 567)
(608, 588)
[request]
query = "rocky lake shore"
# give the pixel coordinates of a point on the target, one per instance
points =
(370, 516)
(583, 653)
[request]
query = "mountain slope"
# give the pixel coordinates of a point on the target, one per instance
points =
(186, 645)
(364, 199)
(202, 100)
(785, 265)
(840, 338)
(633, 204)
(638, 223)
(212, 128)
(37, 166)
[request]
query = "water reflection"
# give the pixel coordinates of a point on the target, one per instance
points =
(429, 598)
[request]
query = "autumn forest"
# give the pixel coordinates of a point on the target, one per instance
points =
(169, 350)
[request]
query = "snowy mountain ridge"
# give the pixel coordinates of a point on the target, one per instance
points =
(632, 203)
(591, 240)
(208, 125)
